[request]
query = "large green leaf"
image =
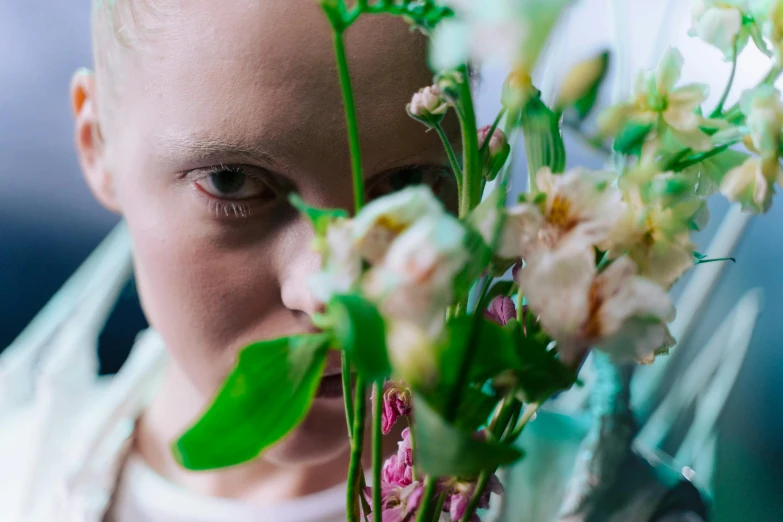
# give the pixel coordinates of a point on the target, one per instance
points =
(266, 396)
(540, 374)
(361, 332)
(543, 142)
(442, 449)
(319, 217)
(494, 350)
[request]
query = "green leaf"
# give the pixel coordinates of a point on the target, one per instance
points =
(442, 449)
(541, 374)
(264, 397)
(319, 217)
(630, 138)
(543, 142)
(475, 409)
(495, 354)
(361, 332)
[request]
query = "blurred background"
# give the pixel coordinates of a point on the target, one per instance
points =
(49, 222)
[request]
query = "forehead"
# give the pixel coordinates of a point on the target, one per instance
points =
(264, 70)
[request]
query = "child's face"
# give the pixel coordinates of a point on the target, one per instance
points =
(220, 110)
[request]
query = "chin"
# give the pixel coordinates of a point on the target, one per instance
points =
(322, 437)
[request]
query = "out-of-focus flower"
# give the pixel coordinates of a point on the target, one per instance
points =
(501, 310)
(615, 310)
(656, 237)
(763, 109)
(497, 149)
(720, 23)
(383, 220)
(508, 31)
(411, 353)
(460, 493)
(656, 101)
(580, 205)
(341, 267)
(397, 402)
(769, 14)
(750, 186)
(415, 279)
(428, 105)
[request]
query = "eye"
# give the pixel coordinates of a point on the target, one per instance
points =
(440, 179)
(234, 182)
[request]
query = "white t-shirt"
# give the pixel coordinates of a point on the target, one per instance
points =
(144, 496)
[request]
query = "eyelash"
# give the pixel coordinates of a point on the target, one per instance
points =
(223, 208)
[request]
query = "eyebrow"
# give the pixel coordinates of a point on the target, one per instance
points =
(205, 147)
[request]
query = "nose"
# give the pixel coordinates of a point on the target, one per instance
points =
(296, 263)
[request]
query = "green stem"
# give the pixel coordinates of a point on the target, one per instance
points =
(529, 412)
(452, 157)
(719, 108)
(481, 484)
(350, 119)
(347, 396)
(363, 498)
(357, 443)
(426, 502)
(439, 507)
(471, 160)
(698, 158)
(377, 452)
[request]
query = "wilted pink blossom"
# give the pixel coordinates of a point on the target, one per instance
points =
(400, 494)
(397, 402)
(458, 498)
(501, 310)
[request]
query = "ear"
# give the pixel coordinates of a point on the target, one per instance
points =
(89, 139)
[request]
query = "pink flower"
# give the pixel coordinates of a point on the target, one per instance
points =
(396, 472)
(458, 498)
(501, 310)
(399, 503)
(397, 402)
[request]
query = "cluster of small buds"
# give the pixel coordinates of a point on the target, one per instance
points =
(428, 106)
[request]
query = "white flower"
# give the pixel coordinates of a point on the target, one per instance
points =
(415, 280)
(341, 265)
(381, 221)
(580, 205)
(411, 352)
(657, 102)
(769, 15)
(763, 109)
(656, 237)
(720, 23)
(615, 310)
(507, 31)
(750, 186)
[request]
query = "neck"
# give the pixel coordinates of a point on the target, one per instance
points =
(263, 480)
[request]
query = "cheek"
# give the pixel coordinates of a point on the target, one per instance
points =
(206, 295)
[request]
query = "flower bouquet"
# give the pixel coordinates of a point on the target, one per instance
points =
(464, 325)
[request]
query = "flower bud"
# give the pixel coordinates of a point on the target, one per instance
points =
(412, 353)
(501, 310)
(517, 90)
(428, 106)
(397, 402)
(497, 151)
(580, 86)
